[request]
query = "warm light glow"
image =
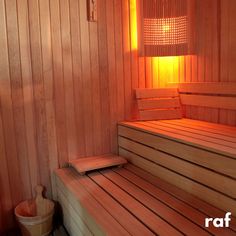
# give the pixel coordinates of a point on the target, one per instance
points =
(165, 31)
(133, 25)
(165, 28)
(164, 70)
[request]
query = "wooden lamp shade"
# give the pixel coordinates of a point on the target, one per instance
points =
(165, 27)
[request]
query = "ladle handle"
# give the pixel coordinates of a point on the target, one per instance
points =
(39, 191)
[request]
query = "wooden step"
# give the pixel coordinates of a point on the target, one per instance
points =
(82, 165)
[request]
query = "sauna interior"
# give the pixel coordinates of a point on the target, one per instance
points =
(124, 111)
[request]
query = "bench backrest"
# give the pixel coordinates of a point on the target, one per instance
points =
(212, 95)
(158, 104)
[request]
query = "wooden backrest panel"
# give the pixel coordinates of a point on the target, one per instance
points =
(206, 88)
(209, 101)
(212, 95)
(156, 104)
(155, 93)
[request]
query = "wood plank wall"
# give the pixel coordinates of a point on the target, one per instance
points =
(214, 60)
(216, 57)
(64, 82)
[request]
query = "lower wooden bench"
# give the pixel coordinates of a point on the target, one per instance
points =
(131, 201)
(197, 156)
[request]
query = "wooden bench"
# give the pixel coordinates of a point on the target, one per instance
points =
(197, 156)
(131, 201)
(182, 172)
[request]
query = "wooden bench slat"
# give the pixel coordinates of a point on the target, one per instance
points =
(206, 87)
(192, 171)
(180, 194)
(130, 223)
(190, 133)
(133, 200)
(72, 220)
(170, 215)
(160, 114)
(180, 206)
(211, 196)
(153, 93)
(209, 101)
(222, 129)
(90, 205)
(81, 212)
(214, 161)
(152, 221)
(196, 129)
(181, 138)
(158, 103)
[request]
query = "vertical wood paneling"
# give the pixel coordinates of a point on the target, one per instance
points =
(45, 24)
(77, 74)
(96, 97)
(127, 58)
(68, 78)
(119, 59)
(214, 53)
(26, 71)
(59, 94)
(5, 191)
(17, 96)
(86, 78)
(112, 72)
(66, 82)
(133, 55)
(39, 94)
(7, 114)
(228, 53)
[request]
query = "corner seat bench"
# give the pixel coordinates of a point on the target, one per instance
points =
(131, 201)
(197, 156)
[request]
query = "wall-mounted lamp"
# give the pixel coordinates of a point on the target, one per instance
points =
(165, 27)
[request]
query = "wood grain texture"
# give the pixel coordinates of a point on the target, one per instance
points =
(206, 88)
(147, 145)
(85, 164)
(161, 114)
(64, 85)
(154, 93)
(148, 205)
(228, 103)
(65, 82)
(158, 103)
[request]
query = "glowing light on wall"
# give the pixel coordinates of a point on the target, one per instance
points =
(133, 25)
(164, 70)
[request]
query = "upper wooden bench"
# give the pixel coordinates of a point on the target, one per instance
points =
(197, 156)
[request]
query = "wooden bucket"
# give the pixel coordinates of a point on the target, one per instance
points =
(35, 216)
